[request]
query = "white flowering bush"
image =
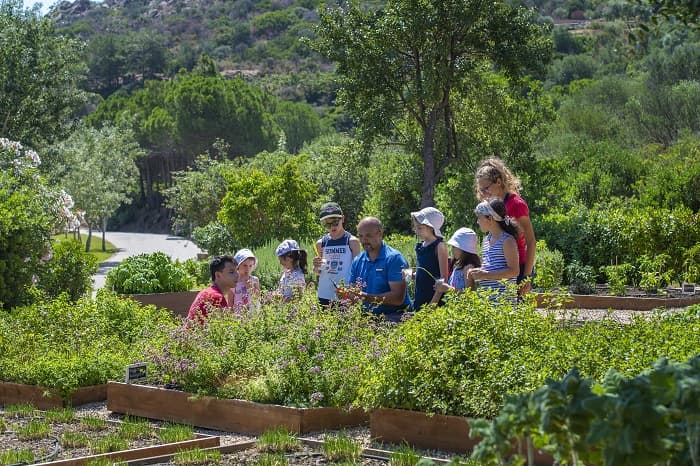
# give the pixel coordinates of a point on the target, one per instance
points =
(30, 212)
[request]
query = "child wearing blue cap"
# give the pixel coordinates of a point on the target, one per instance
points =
(293, 261)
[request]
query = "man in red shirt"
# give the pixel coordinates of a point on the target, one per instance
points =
(224, 277)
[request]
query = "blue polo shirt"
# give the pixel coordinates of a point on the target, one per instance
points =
(376, 275)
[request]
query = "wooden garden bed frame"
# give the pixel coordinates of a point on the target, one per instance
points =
(635, 303)
(47, 398)
(229, 415)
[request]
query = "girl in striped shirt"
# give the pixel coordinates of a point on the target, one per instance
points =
(499, 252)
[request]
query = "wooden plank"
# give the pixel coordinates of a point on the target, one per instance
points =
(47, 398)
(431, 432)
(441, 432)
(635, 303)
(224, 414)
(178, 302)
(145, 452)
(317, 419)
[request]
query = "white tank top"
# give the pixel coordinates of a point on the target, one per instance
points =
(336, 266)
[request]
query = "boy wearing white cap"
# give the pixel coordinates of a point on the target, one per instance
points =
(431, 256)
(464, 258)
(247, 290)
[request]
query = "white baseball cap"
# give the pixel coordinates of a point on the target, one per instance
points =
(464, 239)
(430, 216)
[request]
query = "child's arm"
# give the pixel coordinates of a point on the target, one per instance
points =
(442, 263)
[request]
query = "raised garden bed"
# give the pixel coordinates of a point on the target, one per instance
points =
(635, 303)
(177, 302)
(47, 398)
(241, 416)
(429, 431)
(52, 438)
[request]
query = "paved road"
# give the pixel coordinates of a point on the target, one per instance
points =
(132, 244)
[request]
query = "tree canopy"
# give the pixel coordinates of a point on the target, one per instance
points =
(40, 72)
(409, 58)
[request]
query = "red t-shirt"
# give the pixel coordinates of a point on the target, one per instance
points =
(206, 299)
(516, 207)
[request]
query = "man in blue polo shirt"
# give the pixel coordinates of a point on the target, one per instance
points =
(379, 271)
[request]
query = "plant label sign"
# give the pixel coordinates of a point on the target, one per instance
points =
(135, 372)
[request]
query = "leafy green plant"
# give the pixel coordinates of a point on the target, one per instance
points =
(171, 433)
(69, 271)
(647, 419)
(654, 273)
(691, 264)
(196, 456)
(74, 440)
(148, 273)
(341, 447)
(3, 425)
(619, 276)
(215, 238)
(199, 271)
(81, 343)
(549, 265)
(581, 278)
(278, 440)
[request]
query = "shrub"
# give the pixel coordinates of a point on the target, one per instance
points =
(295, 354)
(69, 270)
(29, 212)
(653, 272)
(619, 276)
(66, 345)
(215, 238)
(149, 273)
(581, 278)
(691, 264)
(549, 267)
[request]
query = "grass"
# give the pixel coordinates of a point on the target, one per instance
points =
(17, 411)
(197, 456)
(133, 428)
(108, 444)
(341, 448)
(93, 423)
(404, 456)
(103, 462)
(74, 440)
(271, 459)
(64, 415)
(278, 440)
(3, 425)
(95, 245)
(35, 429)
(171, 433)
(24, 456)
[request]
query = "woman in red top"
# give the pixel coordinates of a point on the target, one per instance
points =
(494, 179)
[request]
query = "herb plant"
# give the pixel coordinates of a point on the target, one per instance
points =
(149, 273)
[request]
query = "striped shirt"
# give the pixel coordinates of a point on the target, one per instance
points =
(493, 259)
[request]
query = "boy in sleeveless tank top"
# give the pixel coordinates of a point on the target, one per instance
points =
(334, 253)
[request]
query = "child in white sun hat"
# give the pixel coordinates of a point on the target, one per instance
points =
(431, 256)
(464, 258)
(247, 291)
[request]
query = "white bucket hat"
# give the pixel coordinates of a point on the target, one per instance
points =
(464, 239)
(244, 254)
(430, 216)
